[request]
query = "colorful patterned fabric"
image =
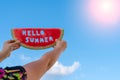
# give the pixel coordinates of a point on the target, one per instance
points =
(13, 73)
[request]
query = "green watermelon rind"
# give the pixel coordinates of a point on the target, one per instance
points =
(39, 48)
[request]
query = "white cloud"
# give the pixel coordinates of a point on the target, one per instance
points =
(60, 69)
(24, 58)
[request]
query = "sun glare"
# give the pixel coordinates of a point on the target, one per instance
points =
(104, 11)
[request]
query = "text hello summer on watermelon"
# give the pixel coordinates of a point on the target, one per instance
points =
(36, 36)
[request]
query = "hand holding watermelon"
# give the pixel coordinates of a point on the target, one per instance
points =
(61, 45)
(8, 47)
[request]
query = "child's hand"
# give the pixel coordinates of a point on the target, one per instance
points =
(9, 46)
(61, 45)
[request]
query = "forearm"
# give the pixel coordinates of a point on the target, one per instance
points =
(54, 55)
(51, 57)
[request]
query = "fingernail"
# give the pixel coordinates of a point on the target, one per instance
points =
(56, 39)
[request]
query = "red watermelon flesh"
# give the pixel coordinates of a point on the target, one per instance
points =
(37, 38)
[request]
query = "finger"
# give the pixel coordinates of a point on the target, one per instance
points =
(17, 46)
(14, 48)
(57, 40)
(16, 42)
(10, 41)
(55, 43)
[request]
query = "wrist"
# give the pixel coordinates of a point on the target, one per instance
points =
(4, 54)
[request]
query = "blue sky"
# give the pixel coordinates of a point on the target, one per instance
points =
(92, 54)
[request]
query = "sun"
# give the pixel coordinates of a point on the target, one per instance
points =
(104, 11)
(107, 6)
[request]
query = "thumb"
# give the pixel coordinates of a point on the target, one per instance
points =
(16, 42)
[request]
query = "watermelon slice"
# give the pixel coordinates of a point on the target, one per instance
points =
(37, 38)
